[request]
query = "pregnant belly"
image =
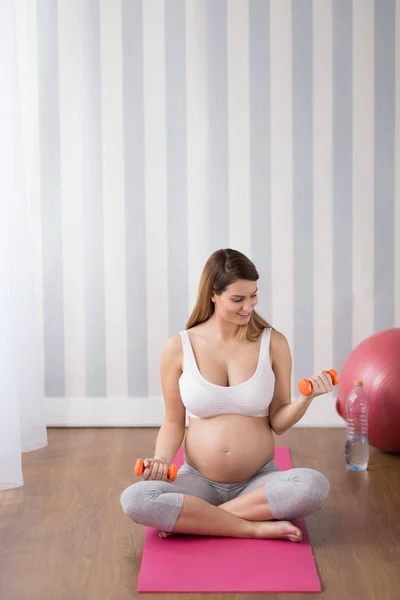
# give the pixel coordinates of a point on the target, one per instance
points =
(229, 448)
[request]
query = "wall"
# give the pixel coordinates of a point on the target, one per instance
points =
(168, 130)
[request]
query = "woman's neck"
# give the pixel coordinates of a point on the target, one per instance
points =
(221, 329)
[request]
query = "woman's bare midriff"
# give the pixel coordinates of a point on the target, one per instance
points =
(229, 448)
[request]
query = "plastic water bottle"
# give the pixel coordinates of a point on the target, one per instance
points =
(357, 448)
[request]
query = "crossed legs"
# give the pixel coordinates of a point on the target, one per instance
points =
(192, 505)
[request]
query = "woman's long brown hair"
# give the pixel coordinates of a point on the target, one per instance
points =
(223, 268)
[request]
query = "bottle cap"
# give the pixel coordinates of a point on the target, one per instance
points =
(358, 382)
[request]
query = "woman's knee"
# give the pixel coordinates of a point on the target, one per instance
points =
(317, 487)
(152, 503)
(309, 492)
(136, 499)
(133, 498)
(324, 486)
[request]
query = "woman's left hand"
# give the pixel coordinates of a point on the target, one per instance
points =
(321, 383)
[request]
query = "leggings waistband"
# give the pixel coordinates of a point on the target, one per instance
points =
(267, 467)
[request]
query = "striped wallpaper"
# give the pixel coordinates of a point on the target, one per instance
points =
(168, 129)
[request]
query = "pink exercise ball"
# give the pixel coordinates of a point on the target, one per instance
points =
(376, 362)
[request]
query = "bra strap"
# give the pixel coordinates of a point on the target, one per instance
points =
(189, 360)
(265, 344)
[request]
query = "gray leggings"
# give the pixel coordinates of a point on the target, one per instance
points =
(290, 494)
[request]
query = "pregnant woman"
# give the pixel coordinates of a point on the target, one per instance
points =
(231, 371)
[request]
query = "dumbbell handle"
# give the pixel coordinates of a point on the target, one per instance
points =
(305, 385)
(139, 468)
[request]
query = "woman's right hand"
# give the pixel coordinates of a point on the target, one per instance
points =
(155, 468)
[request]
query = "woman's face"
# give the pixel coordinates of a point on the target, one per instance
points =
(237, 302)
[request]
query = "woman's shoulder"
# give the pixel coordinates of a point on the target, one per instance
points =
(278, 339)
(175, 341)
(277, 336)
(279, 346)
(199, 330)
(173, 346)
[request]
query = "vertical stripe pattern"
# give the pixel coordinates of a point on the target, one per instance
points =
(238, 111)
(175, 102)
(155, 146)
(96, 365)
(113, 196)
(217, 99)
(71, 110)
(281, 168)
(385, 23)
(135, 205)
(363, 170)
(167, 130)
(197, 131)
(303, 200)
(342, 43)
(397, 171)
(50, 190)
(260, 171)
(322, 184)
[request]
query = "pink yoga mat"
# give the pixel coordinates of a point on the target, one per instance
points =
(186, 563)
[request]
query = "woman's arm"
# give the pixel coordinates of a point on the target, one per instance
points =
(172, 431)
(283, 412)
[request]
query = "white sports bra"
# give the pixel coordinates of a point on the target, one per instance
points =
(204, 399)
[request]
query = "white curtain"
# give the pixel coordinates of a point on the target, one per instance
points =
(22, 421)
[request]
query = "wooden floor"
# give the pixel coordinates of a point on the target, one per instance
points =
(63, 535)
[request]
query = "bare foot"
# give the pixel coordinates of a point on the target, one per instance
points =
(278, 529)
(266, 530)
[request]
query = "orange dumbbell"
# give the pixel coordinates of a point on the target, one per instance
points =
(139, 468)
(305, 385)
